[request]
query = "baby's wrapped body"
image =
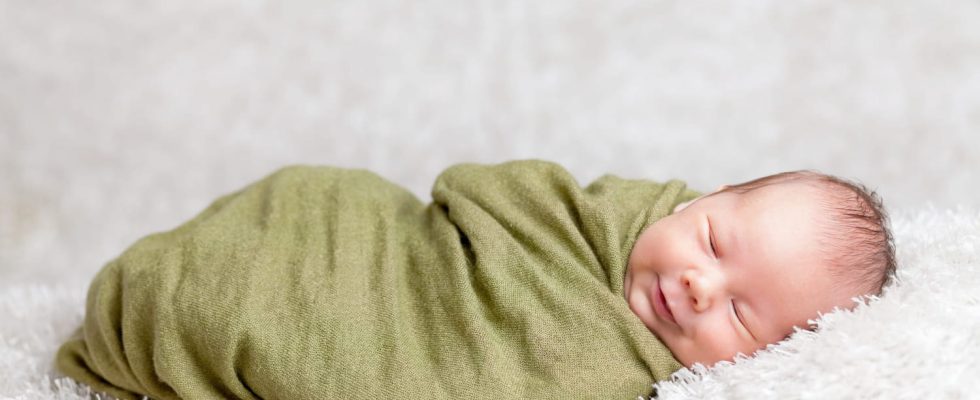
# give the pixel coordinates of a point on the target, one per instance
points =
(321, 282)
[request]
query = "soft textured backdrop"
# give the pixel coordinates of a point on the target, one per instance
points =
(119, 118)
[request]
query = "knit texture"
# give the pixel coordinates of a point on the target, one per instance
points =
(321, 282)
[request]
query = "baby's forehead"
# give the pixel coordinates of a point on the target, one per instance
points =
(783, 214)
(786, 194)
(739, 199)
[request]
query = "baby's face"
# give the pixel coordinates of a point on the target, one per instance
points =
(732, 273)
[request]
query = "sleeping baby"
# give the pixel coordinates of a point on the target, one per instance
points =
(319, 282)
(736, 270)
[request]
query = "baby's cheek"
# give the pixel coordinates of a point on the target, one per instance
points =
(717, 344)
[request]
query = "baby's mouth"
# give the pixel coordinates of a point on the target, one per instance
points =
(666, 305)
(661, 307)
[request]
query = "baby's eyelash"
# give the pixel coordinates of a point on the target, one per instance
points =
(737, 315)
(711, 239)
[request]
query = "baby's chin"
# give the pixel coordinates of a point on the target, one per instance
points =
(707, 360)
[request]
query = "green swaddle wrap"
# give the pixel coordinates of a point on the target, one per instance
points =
(330, 283)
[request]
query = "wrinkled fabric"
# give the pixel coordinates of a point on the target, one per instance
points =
(320, 282)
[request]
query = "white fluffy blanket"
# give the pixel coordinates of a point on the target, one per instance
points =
(146, 111)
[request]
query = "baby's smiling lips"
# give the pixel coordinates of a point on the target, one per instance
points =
(660, 305)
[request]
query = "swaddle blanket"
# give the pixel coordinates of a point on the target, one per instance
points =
(328, 283)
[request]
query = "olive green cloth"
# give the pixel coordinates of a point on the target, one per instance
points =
(329, 283)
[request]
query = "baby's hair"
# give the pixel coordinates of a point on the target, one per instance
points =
(859, 230)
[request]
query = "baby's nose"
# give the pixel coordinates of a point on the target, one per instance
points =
(698, 288)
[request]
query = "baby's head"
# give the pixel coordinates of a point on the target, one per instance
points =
(737, 269)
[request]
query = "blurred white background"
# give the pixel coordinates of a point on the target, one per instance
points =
(119, 118)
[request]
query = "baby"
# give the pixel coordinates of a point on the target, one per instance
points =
(514, 282)
(735, 270)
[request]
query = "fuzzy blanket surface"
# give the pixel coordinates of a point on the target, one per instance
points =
(321, 282)
(147, 111)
